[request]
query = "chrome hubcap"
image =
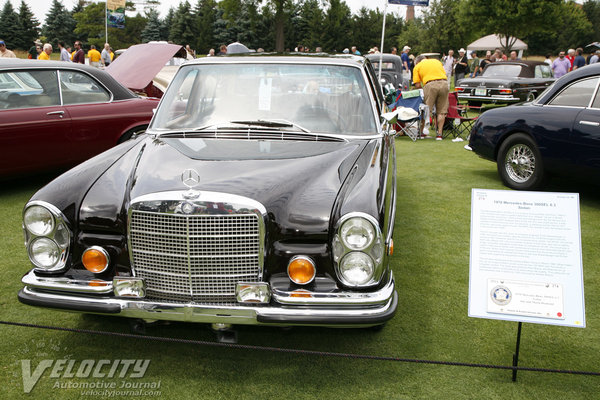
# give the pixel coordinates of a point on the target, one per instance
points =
(519, 163)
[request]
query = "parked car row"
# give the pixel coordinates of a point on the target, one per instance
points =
(263, 191)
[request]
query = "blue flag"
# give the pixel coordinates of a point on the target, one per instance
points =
(115, 19)
(424, 3)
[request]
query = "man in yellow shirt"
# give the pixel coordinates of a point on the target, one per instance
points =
(430, 75)
(45, 54)
(94, 56)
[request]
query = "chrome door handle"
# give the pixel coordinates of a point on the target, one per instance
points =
(59, 113)
(589, 123)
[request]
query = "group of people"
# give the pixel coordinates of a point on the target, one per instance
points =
(41, 51)
(570, 61)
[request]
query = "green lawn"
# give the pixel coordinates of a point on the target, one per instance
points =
(431, 265)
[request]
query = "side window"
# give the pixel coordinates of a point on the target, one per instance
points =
(26, 89)
(546, 71)
(79, 88)
(543, 71)
(596, 103)
(578, 94)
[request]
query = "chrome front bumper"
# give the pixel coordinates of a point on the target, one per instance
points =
(351, 309)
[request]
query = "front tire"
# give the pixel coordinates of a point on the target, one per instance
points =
(519, 163)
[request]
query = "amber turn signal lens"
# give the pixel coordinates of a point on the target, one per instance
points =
(301, 270)
(95, 259)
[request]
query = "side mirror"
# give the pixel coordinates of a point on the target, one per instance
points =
(390, 117)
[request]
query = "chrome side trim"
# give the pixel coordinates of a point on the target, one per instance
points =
(68, 285)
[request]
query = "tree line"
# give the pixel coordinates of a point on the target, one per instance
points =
(547, 26)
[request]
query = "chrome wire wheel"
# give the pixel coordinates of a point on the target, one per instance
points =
(519, 163)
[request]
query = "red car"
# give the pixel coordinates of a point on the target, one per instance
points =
(56, 114)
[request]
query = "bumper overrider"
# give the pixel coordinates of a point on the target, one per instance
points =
(285, 307)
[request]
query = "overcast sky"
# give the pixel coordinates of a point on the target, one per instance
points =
(41, 7)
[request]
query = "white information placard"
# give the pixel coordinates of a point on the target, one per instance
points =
(525, 262)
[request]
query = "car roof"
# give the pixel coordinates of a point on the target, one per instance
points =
(384, 56)
(118, 90)
(579, 73)
(300, 58)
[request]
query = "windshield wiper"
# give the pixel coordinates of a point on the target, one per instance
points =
(279, 123)
(273, 123)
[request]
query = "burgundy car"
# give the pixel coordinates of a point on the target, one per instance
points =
(56, 114)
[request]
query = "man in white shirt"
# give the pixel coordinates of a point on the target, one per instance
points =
(105, 56)
(64, 54)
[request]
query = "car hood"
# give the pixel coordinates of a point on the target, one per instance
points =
(297, 182)
(138, 66)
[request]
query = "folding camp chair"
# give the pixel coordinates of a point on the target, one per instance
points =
(456, 122)
(410, 114)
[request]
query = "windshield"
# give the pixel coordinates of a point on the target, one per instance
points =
(501, 70)
(316, 98)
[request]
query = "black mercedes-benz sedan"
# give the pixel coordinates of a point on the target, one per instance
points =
(506, 82)
(263, 192)
(559, 133)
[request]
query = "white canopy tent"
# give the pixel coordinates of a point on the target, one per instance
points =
(492, 42)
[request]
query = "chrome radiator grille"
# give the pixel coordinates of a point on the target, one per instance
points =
(194, 258)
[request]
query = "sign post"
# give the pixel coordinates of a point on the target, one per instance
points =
(525, 259)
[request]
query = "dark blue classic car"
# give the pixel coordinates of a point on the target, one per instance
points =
(262, 193)
(559, 133)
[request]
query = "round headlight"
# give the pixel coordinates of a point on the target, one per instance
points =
(38, 220)
(44, 252)
(357, 268)
(357, 233)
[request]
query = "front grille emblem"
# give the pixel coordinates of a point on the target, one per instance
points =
(187, 208)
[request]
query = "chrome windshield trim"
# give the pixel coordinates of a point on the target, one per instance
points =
(66, 284)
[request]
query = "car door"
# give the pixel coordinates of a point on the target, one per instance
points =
(586, 131)
(93, 116)
(563, 142)
(34, 126)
